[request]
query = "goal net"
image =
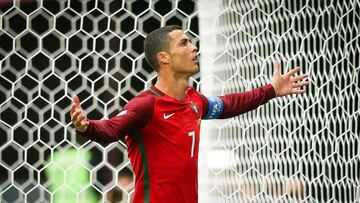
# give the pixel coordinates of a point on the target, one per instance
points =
(293, 149)
(297, 148)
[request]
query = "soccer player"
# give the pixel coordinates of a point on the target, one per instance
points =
(161, 125)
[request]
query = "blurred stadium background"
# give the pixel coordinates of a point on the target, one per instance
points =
(294, 149)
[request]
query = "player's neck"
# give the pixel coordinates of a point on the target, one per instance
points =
(172, 86)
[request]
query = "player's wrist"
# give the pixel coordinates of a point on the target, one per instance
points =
(82, 129)
(275, 89)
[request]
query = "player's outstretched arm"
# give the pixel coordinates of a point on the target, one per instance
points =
(288, 83)
(78, 116)
(231, 105)
(131, 119)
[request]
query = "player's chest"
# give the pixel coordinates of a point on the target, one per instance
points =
(177, 124)
(179, 115)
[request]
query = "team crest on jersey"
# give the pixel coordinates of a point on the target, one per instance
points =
(195, 108)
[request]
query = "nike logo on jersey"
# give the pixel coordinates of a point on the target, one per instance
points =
(168, 116)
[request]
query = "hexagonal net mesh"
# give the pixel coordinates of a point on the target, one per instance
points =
(303, 148)
(293, 149)
(52, 50)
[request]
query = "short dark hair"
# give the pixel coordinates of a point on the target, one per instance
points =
(157, 41)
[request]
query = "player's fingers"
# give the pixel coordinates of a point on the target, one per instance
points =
(80, 118)
(298, 91)
(300, 84)
(300, 77)
(276, 67)
(292, 72)
(72, 110)
(75, 105)
(75, 115)
(76, 101)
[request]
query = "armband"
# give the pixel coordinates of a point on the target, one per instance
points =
(216, 107)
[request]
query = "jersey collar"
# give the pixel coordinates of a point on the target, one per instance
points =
(159, 93)
(156, 91)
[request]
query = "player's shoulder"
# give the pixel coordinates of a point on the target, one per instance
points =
(140, 108)
(192, 92)
(143, 101)
(144, 98)
(147, 94)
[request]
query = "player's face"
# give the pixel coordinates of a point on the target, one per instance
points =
(183, 58)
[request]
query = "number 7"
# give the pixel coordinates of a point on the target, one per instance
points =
(192, 133)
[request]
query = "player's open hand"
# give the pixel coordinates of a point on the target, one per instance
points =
(78, 116)
(288, 83)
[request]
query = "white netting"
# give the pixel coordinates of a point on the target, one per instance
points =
(52, 50)
(295, 148)
(299, 148)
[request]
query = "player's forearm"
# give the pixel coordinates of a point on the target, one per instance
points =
(100, 131)
(238, 103)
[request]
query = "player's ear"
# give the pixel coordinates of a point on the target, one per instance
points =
(163, 57)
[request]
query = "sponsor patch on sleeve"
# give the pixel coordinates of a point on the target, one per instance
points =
(216, 107)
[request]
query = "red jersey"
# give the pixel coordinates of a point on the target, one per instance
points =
(162, 136)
